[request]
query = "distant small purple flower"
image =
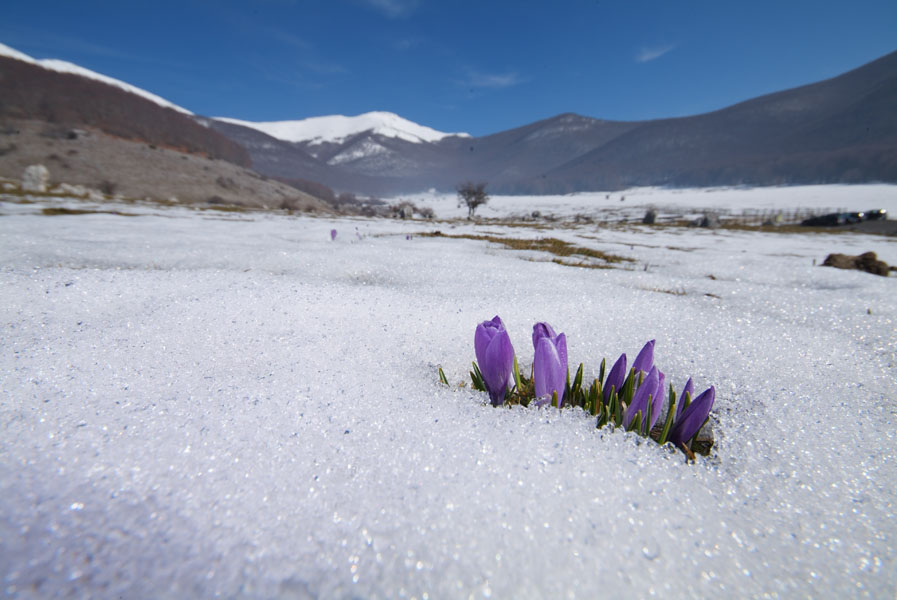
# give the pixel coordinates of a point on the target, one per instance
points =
(332, 234)
(495, 357)
(408, 237)
(645, 359)
(640, 398)
(691, 419)
(615, 378)
(549, 362)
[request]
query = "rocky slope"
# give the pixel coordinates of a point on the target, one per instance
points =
(133, 169)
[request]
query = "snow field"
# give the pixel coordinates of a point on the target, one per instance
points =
(632, 204)
(194, 406)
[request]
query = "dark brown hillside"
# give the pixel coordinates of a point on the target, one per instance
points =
(137, 170)
(31, 92)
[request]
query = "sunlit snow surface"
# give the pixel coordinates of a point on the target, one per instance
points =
(196, 405)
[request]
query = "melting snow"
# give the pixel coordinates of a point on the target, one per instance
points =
(199, 404)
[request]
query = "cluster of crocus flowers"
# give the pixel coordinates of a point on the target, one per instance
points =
(632, 399)
(636, 400)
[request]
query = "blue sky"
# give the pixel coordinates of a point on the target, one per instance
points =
(478, 66)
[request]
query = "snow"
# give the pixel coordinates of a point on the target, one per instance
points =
(61, 66)
(198, 403)
(633, 203)
(358, 151)
(337, 128)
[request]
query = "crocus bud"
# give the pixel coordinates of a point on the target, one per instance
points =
(690, 390)
(332, 234)
(640, 398)
(645, 359)
(691, 419)
(549, 362)
(541, 330)
(615, 378)
(495, 357)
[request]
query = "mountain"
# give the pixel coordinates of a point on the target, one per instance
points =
(292, 163)
(373, 153)
(63, 94)
(840, 130)
(338, 128)
(98, 132)
(61, 66)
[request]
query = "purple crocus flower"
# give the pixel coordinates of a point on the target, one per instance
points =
(332, 234)
(691, 419)
(657, 399)
(495, 357)
(690, 389)
(645, 359)
(640, 398)
(541, 330)
(549, 362)
(615, 378)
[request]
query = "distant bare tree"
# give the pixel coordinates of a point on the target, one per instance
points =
(472, 195)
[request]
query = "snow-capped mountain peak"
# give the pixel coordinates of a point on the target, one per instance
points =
(61, 66)
(336, 128)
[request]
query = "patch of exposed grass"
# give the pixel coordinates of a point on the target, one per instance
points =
(232, 208)
(663, 291)
(581, 264)
(58, 211)
(554, 246)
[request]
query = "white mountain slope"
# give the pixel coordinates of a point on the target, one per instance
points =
(62, 66)
(336, 128)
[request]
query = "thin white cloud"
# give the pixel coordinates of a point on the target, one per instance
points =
(393, 8)
(492, 81)
(653, 53)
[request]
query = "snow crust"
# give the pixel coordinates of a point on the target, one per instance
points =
(337, 128)
(198, 404)
(62, 66)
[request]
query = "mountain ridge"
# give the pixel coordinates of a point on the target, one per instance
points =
(62, 66)
(843, 129)
(337, 128)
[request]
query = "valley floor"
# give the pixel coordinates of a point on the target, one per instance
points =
(200, 402)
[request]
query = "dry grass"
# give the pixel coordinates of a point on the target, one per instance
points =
(60, 211)
(554, 246)
(663, 291)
